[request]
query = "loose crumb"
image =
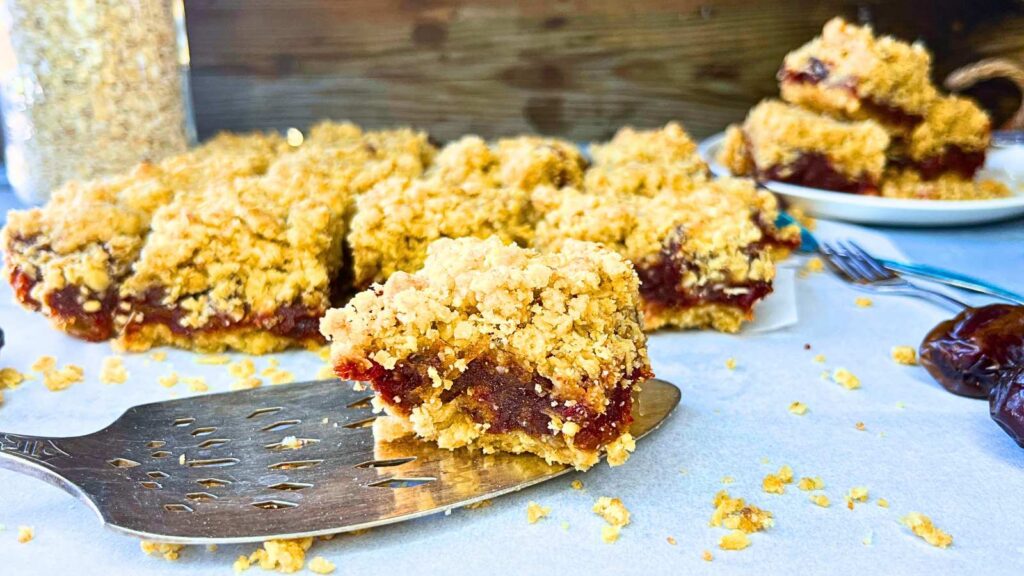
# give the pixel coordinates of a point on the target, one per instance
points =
(112, 371)
(534, 512)
(577, 484)
(798, 408)
(44, 364)
(814, 265)
(776, 483)
(196, 383)
(860, 426)
(706, 556)
(736, 514)
(856, 494)
(905, 355)
(168, 381)
(324, 353)
(869, 538)
(211, 548)
(241, 564)
(820, 359)
(671, 540)
(282, 555)
(242, 369)
(10, 378)
(846, 379)
(60, 379)
(863, 302)
(26, 534)
(821, 500)
(158, 356)
(735, 540)
(808, 483)
(213, 359)
(730, 363)
(325, 372)
(883, 503)
(565, 526)
(246, 384)
(610, 533)
(321, 565)
(922, 526)
(278, 376)
(728, 479)
(169, 552)
(612, 510)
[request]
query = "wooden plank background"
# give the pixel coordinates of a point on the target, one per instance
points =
(573, 69)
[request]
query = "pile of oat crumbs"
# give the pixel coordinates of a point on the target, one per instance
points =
(615, 514)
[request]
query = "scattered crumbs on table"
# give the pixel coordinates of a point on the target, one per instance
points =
(728, 479)
(278, 376)
(860, 426)
(158, 356)
(776, 483)
(863, 302)
(320, 565)
(735, 540)
(242, 369)
(856, 494)
(904, 355)
(534, 512)
(44, 364)
(737, 514)
(814, 264)
(565, 526)
(819, 358)
(10, 378)
(26, 534)
(883, 503)
(576, 484)
(809, 483)
(610, 533)
(846, 379)
(820, 500)
(282, 555)
(922, 526)
(671, 540)
(213, 359)
(57, 379)
(211, 548)
(246, 384)
(869, 538)
(169, 552)
(112, 370)
(168, 381)
(706, 556)
(730, 363)
(195, 383)
(480, 505)
(798, 408)
(612, 510)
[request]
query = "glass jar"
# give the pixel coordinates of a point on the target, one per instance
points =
(90, 88)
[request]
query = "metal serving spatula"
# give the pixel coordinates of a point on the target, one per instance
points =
(213, 469)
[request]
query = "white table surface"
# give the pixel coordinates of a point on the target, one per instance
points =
(937, 454)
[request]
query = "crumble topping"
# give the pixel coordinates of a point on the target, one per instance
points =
(534, 512)
(168, 552)
(612, 510)
(950, 121)
(949, 186)
(845, 378)
(112, 371)
(646, 162)
(860, 66)
(906, 355)
(922, 526)
(523, 162)
(798, 408)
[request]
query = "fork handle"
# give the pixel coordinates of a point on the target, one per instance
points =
(934, 296)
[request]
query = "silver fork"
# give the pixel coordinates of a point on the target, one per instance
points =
(851, 263)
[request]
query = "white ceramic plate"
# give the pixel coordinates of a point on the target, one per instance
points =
(1006, 164)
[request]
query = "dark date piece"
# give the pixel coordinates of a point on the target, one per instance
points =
(971, 352)
(1006, 404)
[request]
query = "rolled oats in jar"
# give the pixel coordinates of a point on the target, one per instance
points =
(89, 88)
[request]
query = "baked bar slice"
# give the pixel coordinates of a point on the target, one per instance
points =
(909, 184)
(397, 220)
(496, 347)
(704, 256)
(782, 142)
(645, 162)
(849, 72)
(522, 162)
(67, 259)
(239, 265)
(952, 139)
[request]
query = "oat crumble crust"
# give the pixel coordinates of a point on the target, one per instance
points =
(863, 71)
(908, 183)
(950, 121)
(717, 230)
(397, 220)
(569, 317)
(646, 162)
(523, 162)
(777, 134)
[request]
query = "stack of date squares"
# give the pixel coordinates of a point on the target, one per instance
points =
(859, 114)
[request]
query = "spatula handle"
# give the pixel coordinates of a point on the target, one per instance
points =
(43, 458)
